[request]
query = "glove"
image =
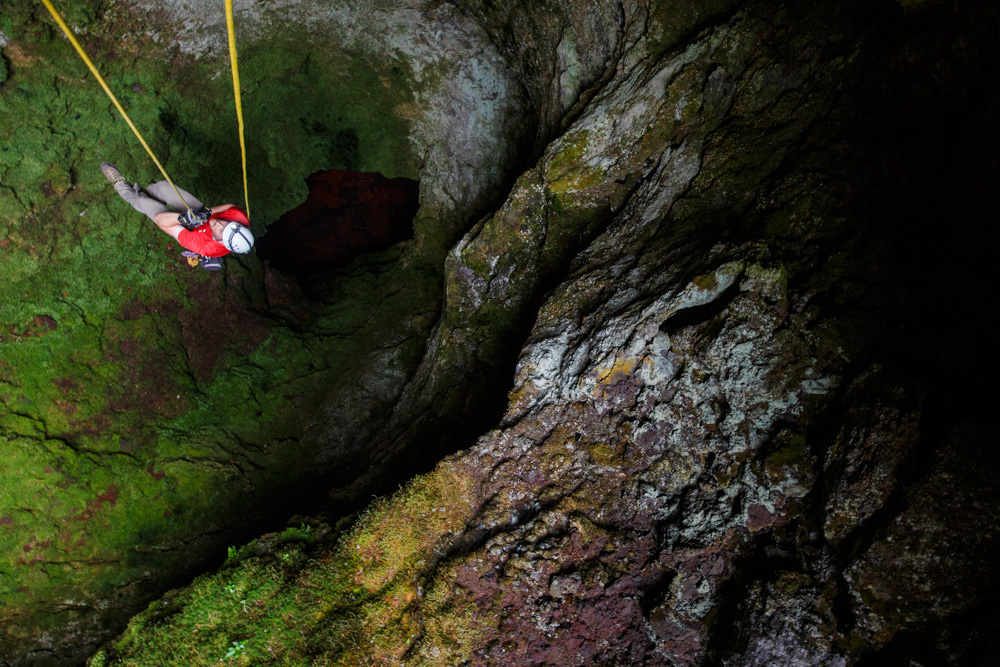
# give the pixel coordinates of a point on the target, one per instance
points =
(193, 219)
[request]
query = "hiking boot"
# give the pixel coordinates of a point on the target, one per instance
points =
(112, 173)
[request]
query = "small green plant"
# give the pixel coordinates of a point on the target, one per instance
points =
(231, 554)
(235, 649)
(304, 533)
(231, 588)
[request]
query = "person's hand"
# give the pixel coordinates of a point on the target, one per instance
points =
(192, 219)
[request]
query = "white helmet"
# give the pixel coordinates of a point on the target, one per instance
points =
(237, 237)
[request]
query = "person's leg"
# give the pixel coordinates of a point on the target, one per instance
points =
(140, 200)
(132, 194)
(163, 191)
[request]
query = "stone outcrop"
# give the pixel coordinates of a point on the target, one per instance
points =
(695, 348)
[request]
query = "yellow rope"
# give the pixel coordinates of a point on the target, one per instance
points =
(236, 93)
(100, 80)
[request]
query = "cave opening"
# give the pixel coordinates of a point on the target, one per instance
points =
(346, 214)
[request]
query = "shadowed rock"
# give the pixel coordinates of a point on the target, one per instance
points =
(347, 213)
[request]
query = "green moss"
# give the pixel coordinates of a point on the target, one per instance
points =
(246, 604)
(566, 171)
(707, 282)
(671, 22)
(355, 604)
(793, 453)
(603, 455)
(126, 434)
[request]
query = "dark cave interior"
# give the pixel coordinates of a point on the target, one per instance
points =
(346, 214)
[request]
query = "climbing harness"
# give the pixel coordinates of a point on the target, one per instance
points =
(230, 25)
(97, 75)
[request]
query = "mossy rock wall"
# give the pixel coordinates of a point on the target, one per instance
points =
(152, 414)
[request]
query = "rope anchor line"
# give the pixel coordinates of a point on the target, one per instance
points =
(97, 75)
(236, 92)
(230, 27)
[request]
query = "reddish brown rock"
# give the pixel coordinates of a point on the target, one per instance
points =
(347, 213)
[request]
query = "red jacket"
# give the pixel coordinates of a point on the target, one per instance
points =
(201, 241)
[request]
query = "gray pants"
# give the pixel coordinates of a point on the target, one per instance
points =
(158, 197)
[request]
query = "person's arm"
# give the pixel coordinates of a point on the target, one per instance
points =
(169, 222)
(220, 208)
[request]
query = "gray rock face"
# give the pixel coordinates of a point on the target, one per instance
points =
(703, 435)
(467, 115)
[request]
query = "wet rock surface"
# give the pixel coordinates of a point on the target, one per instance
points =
(701, 361)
